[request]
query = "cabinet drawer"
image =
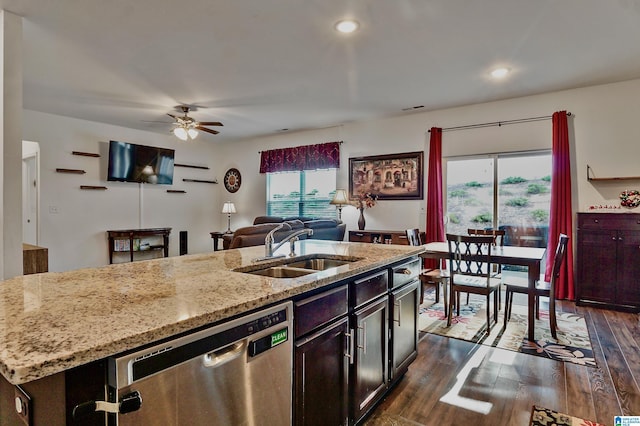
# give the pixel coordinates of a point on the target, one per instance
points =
(399, 239)
(609, 221)
(369, 288)
(315, 311)
(358, 237)
(404, 273)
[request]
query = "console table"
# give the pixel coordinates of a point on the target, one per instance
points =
(124, 240)
(380, 237)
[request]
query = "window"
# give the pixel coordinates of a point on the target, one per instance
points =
(301, 193)
(522, 183)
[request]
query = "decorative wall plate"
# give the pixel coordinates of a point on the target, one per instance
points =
(232, 180)
(630, 198)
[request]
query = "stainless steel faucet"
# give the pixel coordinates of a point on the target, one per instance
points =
(292, 238)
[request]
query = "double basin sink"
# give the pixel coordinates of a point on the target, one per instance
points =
(298, 266)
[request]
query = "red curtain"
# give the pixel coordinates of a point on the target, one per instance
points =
(435, 209)
(306, 157)
(561, 215)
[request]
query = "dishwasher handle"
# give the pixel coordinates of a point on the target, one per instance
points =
(222, 356)
(127, 404)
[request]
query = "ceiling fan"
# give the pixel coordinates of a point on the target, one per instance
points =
(187, 128)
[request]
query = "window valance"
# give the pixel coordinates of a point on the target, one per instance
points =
(305, 157)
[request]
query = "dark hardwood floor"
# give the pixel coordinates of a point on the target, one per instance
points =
(454, 382)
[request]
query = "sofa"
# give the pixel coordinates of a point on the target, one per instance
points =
(254, 235)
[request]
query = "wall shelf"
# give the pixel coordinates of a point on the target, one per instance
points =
(191, 166)
(75, 171)
(201, 181)
(602, 179)
(85, 154)
(93, 187)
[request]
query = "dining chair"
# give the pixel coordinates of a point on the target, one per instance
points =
(470, 267)
(542, 287)
(434, 277)
(498, 240)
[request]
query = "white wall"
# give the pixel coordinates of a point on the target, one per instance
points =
(76, 234)
(603, 133)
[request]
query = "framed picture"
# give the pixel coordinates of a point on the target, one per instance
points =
(390, 177)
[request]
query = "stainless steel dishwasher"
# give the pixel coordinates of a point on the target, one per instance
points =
(235, 373)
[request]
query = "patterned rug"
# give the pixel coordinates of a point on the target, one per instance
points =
(545, 417)
(573, 344)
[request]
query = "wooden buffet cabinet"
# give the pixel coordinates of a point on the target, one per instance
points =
(608, 260)
(380, 237)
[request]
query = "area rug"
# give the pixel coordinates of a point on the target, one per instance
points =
(573, 344)
(545, 417)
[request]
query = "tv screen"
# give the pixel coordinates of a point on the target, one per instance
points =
(139, 163)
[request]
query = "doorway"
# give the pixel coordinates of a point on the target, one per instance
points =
(30, 192)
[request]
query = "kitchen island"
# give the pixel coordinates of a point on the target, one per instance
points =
(55, 322)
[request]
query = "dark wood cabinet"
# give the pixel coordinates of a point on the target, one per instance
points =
(353, 342)
(403, 317)
(321, 377)
(608, 260)
(370, 356)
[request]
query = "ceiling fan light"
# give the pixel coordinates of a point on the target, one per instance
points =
(180, 133)
(193, 133)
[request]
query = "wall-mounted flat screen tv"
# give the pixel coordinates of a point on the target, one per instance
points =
(139, 163)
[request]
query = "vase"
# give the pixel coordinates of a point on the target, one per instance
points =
(361, 222)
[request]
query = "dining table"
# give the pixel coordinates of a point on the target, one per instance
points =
(531, 257)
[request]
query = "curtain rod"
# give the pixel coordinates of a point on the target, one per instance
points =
(340, 142)
(499, 123)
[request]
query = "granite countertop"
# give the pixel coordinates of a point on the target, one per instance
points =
(55, 321)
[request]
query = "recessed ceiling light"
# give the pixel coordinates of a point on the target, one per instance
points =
(500, 72)
(347, 26)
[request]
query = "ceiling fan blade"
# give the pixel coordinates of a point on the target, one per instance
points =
(204, 129)
(210, 123)
(172, 116)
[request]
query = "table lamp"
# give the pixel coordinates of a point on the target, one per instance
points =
(228, 208)
(340, 199)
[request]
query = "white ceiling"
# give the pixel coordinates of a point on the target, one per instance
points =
(260, 66)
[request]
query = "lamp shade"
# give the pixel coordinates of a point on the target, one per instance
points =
(340, 197)
(181, 133)
(228, 208)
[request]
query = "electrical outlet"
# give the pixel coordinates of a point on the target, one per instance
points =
(23, 405)
(53, 210)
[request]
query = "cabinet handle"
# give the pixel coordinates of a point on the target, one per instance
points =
(398, 305)
(403, 271)
(350, 348)
(595, 220)
(364, 338)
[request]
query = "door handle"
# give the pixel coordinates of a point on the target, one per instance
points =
(364, 338)
(398, 305)
(350, 348)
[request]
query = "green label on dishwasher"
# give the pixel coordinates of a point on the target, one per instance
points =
(279, 337)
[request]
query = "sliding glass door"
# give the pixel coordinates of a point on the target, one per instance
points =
(503, 191)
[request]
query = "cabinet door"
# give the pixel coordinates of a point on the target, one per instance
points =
(321, 377)
(371, 330)
(597, 265)
(404, 328)
(628, 291)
